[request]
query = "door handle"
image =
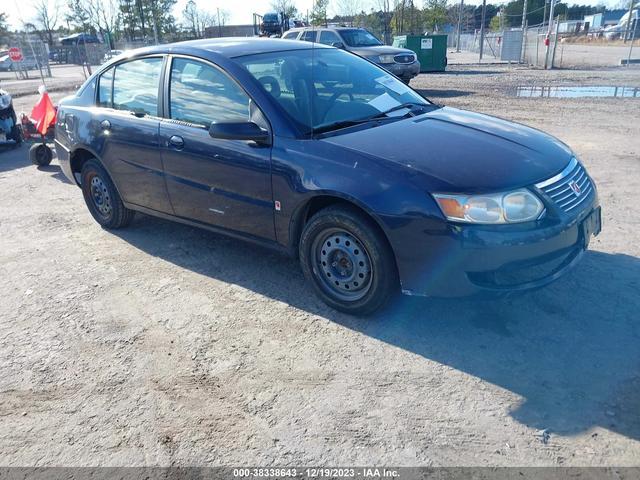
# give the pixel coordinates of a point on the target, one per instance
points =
(176, 141)
(105, 125)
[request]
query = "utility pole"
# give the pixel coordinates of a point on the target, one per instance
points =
(524, 29)
(154, 14)
(633, 37)
(626, 31)
(547, 41)
(141, 10)
(484, 14)
(524, 15)
(459, 25)
(219, 24)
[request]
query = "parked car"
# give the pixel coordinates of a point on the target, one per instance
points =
(7, 65)
(402, 62)
(328, 157)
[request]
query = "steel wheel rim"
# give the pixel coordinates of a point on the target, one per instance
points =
(342, 264)
(100, 196)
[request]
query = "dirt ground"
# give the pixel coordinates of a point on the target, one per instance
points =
(166, 345)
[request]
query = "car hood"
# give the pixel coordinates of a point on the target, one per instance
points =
(461, 151)
(377, 50)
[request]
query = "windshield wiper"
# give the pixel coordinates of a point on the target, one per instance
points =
(330, 127)
(408, 105)
(378, 117)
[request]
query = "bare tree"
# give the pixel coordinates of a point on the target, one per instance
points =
(192, 18)
(47, 17)
(348, 8)
(287, 6)
(104, 15)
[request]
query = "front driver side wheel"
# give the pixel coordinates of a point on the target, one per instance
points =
(102, 198)
(347, 260)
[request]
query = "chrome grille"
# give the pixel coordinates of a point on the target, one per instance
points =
(569, 188)
(404, 58)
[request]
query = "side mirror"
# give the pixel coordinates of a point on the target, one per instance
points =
(337, 44)
(239, 131)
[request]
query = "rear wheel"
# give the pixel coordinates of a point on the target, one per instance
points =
(40, 154)
(348, 261)
(102, 198)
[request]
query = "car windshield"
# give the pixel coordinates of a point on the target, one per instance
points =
(359, 38)
(322, 87)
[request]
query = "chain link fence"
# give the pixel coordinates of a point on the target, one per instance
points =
(538, 48)
(503, 45)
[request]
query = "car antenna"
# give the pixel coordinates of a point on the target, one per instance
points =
(311, 102)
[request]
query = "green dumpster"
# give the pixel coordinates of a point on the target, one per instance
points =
(430, 49)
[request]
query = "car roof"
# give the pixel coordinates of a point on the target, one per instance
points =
(231, 47)
(328, 28)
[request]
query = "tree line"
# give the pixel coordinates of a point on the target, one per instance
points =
(153, 21)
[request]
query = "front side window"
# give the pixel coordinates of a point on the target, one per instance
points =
(105, 88)
(328, 87)
(327, 37)
(359, 38)
(135, 86)
(291, 36)
(201, 94)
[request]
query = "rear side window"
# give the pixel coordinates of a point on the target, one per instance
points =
(329, 38)
(201, 94)
(309, 36)
(135, 86)
(290, 36)
(105, 88)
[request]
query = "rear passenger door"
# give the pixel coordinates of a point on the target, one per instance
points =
(226, 183)
(126, 131)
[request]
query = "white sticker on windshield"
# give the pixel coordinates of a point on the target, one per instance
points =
(384, 102)
(392, 84)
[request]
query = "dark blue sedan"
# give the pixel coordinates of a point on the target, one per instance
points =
(324, 155)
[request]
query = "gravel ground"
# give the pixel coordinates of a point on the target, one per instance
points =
(166, 345)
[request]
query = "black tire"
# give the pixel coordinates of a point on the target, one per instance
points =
(357, 276)
(16, 134)
(102, 197)
(40, 154)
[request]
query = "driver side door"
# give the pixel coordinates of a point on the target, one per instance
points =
(219, 182)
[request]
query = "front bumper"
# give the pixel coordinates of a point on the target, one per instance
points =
(405, 71)
(475, 260)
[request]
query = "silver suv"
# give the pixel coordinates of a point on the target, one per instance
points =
(401, 62)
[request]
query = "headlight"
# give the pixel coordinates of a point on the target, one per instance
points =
(384, 59)
(509, 207)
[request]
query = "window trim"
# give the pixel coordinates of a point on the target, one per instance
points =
(166, 80)
(97, 102)
(114, 66)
